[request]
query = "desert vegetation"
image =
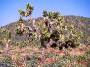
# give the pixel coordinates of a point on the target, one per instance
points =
(49, 41)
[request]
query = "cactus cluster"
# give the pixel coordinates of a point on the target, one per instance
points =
(53, 30)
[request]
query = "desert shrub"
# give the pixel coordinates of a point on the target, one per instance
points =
(88, 52)
(22, 44)
(6, 62)
(88, 63)
(5, 33)
(81, 58)
(51, 55)
(1, 44)
(32, 62)
(53, 65)
(87, 55)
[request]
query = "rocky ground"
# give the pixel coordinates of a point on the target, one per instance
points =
(34, 57)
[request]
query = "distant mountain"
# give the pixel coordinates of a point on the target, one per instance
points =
(82, 23)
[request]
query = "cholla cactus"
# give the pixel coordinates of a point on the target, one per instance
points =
(20, 27)
(50, 15)
(67, 31)
(21, 12)
(27, 12)
(54, 22)
(29, 8)
(45, 14)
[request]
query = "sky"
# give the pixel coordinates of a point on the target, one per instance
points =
(9, 8)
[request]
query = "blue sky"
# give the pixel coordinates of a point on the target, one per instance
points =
(9, 8)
